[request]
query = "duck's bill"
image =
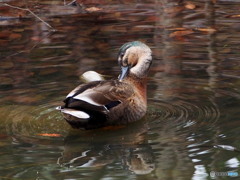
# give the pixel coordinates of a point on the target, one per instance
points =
(124, 72)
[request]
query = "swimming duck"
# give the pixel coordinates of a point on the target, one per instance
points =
(98, 104)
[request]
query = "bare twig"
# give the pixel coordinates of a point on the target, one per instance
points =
(28, 10)
(71, 2)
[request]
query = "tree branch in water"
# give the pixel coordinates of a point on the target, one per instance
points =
(28, 10)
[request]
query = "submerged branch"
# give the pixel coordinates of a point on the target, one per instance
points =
(28, 10)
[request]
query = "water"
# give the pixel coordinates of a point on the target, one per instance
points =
(191, 129)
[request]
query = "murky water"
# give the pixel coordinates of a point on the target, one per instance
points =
(192, 126)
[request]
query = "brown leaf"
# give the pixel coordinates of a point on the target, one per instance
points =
(93, 9)
(233, 16)
(117, 14)
(226, 50)
(190, 5)
(210, 30)
(50, 135)
(35, 38)
(180, 33)
(15, 36)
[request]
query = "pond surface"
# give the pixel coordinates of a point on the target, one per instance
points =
(192, 126)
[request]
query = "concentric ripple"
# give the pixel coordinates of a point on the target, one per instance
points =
(184, 112)
(41, 121)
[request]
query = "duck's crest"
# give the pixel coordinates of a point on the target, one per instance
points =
(130, 44)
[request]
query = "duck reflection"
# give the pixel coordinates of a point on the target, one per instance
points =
(98, 148)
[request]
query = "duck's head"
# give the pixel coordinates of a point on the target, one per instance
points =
(135, 59)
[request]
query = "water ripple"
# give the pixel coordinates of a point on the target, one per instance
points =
(184, 112)
(33, 120)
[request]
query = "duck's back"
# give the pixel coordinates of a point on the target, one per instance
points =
(101, 103)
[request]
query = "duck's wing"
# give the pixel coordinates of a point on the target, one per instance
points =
(96, 97)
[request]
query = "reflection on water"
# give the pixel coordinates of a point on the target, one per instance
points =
(126, 146)
(192, 124)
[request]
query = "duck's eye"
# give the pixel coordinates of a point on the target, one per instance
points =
(125, 62)
(121, 55)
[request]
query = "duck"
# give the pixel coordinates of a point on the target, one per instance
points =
(117, 102)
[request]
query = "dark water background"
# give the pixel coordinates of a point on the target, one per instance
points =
(192, 126)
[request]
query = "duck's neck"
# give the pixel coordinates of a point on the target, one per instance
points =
(141, 69)
(139, 83)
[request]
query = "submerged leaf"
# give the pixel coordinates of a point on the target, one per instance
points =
(233, 16)
(180, 33)
(93, 9)
(190, 5)
(49, 135)
(15, 36)
(211, 30)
